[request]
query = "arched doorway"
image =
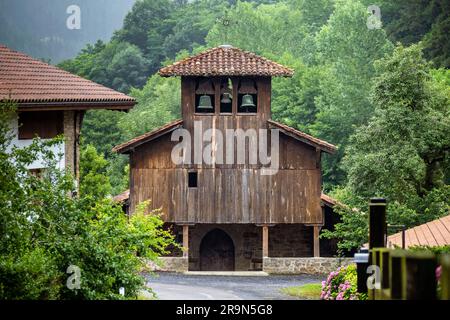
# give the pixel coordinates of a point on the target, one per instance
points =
(217, 251)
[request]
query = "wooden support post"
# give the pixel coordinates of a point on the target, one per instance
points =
(377, 223)
(316, 241)
(445, 277)
(362, 262)
(265, 239)
(397, 269)
(185, 241)
(420, 280)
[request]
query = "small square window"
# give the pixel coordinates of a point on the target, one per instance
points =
(192, 179)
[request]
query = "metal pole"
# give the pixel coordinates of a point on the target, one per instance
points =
(404, 237)
(403, 228)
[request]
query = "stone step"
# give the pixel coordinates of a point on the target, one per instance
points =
(227, 273)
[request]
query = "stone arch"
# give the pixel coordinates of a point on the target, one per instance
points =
(217, 251)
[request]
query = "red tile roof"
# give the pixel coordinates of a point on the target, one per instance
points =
(434, 233)
(306, 138)
(146, 137)
(226, 61)
(29, 81)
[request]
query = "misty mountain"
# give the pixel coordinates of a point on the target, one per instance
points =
(39, 27)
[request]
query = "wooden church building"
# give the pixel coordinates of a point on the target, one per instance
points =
(231, 215)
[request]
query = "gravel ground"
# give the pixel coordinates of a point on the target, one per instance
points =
(171, 286)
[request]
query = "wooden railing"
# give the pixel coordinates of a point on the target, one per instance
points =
(399, 274)
(406, 275)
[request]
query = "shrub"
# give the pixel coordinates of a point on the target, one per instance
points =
(30, 275)
(341, 285)
(43, 231)
(436, 250)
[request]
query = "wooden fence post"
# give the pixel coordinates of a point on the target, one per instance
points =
(420, 281)
(397, 267)
(377, 223)
(373, 293)
(445, 276)
(385, 292)
(362, 262)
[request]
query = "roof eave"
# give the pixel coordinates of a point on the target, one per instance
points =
(325, 147)
(170, 74)
(129, 146)
(72, 105)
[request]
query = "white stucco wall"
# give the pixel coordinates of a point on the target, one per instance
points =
(40, 163)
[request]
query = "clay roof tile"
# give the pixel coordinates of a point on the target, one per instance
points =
(226, 61)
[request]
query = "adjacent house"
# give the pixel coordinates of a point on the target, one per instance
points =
(431, 234)
(230, 214)
(51, 102)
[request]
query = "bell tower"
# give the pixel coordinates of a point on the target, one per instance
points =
(230, 181)
(226, 88)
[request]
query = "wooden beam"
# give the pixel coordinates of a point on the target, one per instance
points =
(185, 241)
(316, 241)
(51, 106)
(265, 239)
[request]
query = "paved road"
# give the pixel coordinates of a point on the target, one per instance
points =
(170, 286)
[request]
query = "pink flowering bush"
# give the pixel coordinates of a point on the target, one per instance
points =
(341, 285)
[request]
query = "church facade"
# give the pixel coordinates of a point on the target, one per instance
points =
(234, 185)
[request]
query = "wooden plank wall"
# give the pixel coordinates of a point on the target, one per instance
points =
(229, 193)
(44, 124)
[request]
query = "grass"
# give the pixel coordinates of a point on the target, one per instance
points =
(307, 291)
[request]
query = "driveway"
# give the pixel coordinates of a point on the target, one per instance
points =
(171, 286)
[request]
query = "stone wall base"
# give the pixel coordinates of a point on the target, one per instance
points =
(170, 264)
(313, 266)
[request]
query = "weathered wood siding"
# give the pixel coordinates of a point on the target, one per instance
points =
(228, 193)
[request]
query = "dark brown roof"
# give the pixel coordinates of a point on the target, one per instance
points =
(306, 138)
(434, 233)
(129, 145)
(31, 82)
(327, 200)
(226, 61)
(122, 197)
(133, 143)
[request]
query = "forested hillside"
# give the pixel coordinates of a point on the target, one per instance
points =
(380, 94)
(43, 32)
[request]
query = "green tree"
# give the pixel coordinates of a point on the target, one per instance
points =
(293, 101)
(158, 104)
(411, 21)
(93, 179)
(347, 49)
(402, 153)
(43, 230)
(118, 65)
(146, 26)
(413, 115)
(100, 129)
(269, 29)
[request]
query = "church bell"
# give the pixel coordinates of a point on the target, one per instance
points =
(247, 101)
(226, 98)
(205, 103)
